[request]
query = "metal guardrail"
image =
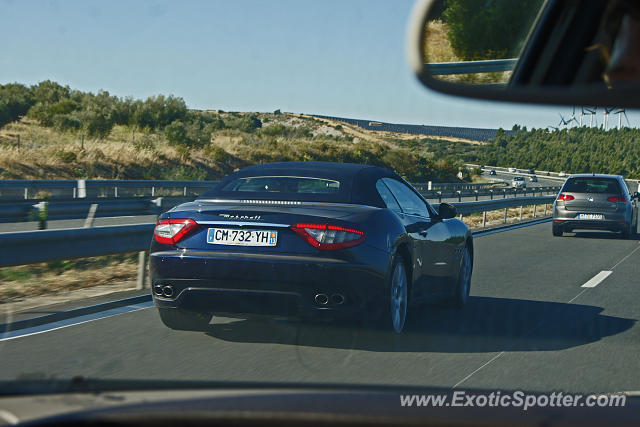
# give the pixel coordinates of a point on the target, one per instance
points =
(38, 188)
(444, 186)
(17, 211)
(489, 205)
(51, 245)
(468, 67)
(80, 189)
(492, 193)
(69, 208)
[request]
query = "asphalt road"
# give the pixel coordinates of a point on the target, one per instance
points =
(529, 325)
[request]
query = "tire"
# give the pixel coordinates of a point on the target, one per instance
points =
(183, 320)
(463, 285)
(556, 230)
(628, 232)
(394, 313)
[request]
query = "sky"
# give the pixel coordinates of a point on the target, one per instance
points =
(334, 57)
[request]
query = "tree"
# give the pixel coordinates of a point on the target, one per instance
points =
(15, 101)
(250, 123)
(176, 133)
(489, 29)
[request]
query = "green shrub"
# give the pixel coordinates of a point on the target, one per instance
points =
(216, 153)
(66, 156)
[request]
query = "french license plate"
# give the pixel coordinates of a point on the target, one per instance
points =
(590, 216)
(241, 237)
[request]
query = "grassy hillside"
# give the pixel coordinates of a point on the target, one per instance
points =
(53, 132)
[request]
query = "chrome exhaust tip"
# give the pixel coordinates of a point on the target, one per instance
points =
(157, 289)
(167, 291)
(337, 299)
(321, 299)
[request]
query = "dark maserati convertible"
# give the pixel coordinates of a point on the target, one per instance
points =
(308, 240)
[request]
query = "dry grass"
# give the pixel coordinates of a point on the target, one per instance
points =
(496, 218)
(24, 281)
(44, 153)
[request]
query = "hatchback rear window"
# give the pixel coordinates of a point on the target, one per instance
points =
(592, 185)
(283, 184)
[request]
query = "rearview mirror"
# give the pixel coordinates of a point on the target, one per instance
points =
(553, 52)
(446, 211)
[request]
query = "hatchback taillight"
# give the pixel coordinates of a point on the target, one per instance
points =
(171, 231)
(328, 237)
(617, 199)
(565, 197)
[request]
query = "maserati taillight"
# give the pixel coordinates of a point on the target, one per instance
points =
(328, 237)
(171, 231)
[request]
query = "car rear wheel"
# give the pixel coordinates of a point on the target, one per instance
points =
(183, 320)
(464, 280)
(395, 314)
(556, 229)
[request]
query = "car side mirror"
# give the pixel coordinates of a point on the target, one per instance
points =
(446, 211)
(517, 51)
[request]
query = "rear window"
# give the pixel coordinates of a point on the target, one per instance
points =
(283, 184)
(592, 185)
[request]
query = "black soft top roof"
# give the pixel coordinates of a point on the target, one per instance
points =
(357, 182)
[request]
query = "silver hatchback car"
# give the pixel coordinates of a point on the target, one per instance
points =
(600, 202)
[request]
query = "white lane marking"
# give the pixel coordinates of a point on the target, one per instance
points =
(623, 259)
(574, 298)
(485, 364)
(41, 329)
(595, 280)
(8, 417)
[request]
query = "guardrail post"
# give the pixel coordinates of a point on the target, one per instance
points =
(82, 189)
(534, 210)
(43, 213)
(504, 193)
(26, 193)
(142, 270)
(545, 209)
(520, 217)
(184, 192)
(484, 218)
(439, 196)
(459, 195)
(505, 215)
(429, 184)
(476, 191)
(153, 191)
(115, 191)
(491, 193)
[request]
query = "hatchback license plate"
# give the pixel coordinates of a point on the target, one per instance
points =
(240, 237)
(590, 216)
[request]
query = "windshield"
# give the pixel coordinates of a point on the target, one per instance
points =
(285, 184)
(145, 234)
(592, 185)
